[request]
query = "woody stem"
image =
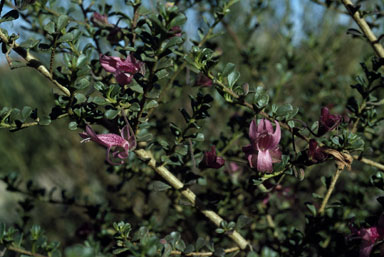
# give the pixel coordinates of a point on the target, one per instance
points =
(330, 190)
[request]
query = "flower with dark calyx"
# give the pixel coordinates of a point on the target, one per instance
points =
(123, 69)
(327, 121)
(118, 146)
(369, 236)
(203, 81)
(99, 20)
(211, 160)
(264, 149)
(316, 153)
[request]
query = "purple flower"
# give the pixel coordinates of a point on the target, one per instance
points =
(123, 69)
(264, 148)
(315, 153)
(118, 145)
(327, 121)
(211, 160)
(369, 236)
(99, 20)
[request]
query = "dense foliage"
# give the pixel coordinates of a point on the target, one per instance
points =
(209, 128)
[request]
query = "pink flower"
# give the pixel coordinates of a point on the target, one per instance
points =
(120, 145)
(123, 69)
(369, 236)
(99, 19)
(264, 149)
(211, 160)
(327, 121)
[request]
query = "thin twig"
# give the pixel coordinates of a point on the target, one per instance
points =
(330, 190)
(364, 27)
(369, 162)
(25, 252)
(229, 250)
(33, 62)
(188, 194)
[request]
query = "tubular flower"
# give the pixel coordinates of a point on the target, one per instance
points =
(264, 149)
(316, 153)
(117, 145)
(123, 69)
(327, 121)
(211, 160)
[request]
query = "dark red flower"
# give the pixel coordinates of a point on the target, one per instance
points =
(211, 160)
(328, 121)
(315, 153)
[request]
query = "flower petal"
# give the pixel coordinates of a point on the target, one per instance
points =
(110, 140)
(253, 130)
(264, 161)
(265, 126)
(276, 135)
(109, 63)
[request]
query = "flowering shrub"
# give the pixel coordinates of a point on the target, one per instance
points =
(230, 128)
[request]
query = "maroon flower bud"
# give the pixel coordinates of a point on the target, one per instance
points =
(203, 81)
(99, 20)
(315, 153)
(327, 121)
(211, 160)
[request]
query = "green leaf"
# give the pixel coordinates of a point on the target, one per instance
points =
(151, 104)
(311, 208)
(220, 230)
(261, 98)
(233, 77)
(81, 60)
(99, 100)
(72, 125)
(111, 114)
(62, 22)
(177, 21)
(26, 112)
(50, 27)
(162, 74)
(120, 250)
(45, 120)
(173, 41)
(81, 98)
(30, 43)
(99, 86)
(229, 68)
(82, 83)
(159, 186)
(284, 110)
(66, 38)
(137, 88)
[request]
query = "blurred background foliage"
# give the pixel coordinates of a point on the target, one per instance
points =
(298, 51)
